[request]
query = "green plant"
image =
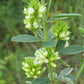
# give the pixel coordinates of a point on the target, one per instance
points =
(55, 42)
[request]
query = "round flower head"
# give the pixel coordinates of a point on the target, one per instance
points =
(45, 55)
(60, 30)
(33, 15)
(30, 10)
(32, 67)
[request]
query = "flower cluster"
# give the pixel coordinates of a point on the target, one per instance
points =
(32, 68)
(60, 30)
(34, 14)
(33, 65)
(46, 55)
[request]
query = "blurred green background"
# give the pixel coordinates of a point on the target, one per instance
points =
(11, 24)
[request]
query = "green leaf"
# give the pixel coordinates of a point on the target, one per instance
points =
(50, 43)
(65, 15)
(59, 18)
(60, 44)
(64, 63)
(41, 81)
(52, 19)
(66, 71)
(74, 49)
(68, 80)
(25, 38)
(81, 29)
(50, 35)
(40, 33)
(71, 77)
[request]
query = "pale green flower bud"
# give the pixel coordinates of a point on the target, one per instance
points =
(35, 24)
(33, 69)
(56, 53)
(30, 10)
(41, 56)
(62, 35)
(42, 9)
(40, 15)
(35, 77)
(31, 73)
(28, 25)
(27, 17)
(52, 64)
(67, 44)
(67, 38)
(41, 27)
(56, 34)
(45, 53)
(58, 57)
(67, 33)
(26, 65)
(39, 72)
(46, 61)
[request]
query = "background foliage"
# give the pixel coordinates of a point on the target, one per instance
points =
(11, 24)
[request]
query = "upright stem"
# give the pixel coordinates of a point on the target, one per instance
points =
(50, 71)
(45, 30)
(81, 69)
(45, 24)
(46, 38)
(35, 34)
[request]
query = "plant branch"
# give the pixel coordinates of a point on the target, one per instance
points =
(50, 68)
(81, 69)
